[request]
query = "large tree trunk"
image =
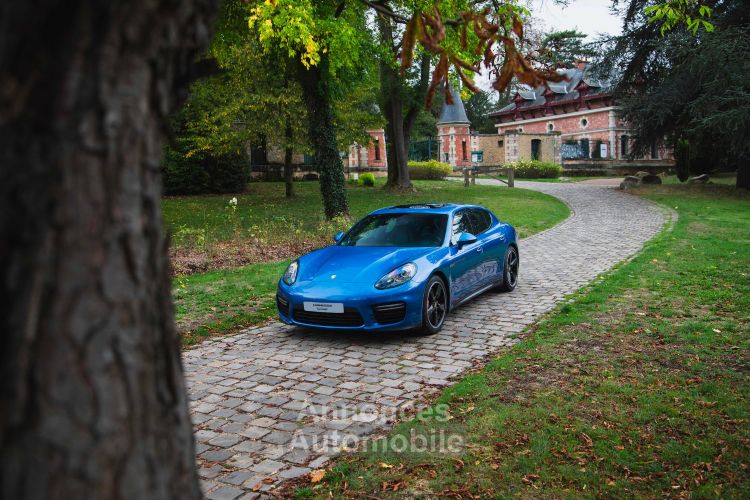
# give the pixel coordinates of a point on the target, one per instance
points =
(91, 390)
(390, 90)
(317, 94)
(743, 171)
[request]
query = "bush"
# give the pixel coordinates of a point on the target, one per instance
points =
(367, 179)
(429, 170)
(204, 173)
(536, 169)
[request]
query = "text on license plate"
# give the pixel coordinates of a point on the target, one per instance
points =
(326, 307)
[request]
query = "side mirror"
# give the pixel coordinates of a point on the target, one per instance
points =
(337, 237)
(466, 239)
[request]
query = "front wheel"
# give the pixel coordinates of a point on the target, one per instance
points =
(434, 306)
(510, 270)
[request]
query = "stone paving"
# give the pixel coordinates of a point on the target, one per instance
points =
(274, 402)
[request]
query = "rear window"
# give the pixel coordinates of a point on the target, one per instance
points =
(398, 230)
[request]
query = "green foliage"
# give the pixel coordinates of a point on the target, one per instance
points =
(682, 159)
(429, 170)
(204, 172)
(367, 179)
(478, 107)
(536, 169)
(669, 15)
(562, 49)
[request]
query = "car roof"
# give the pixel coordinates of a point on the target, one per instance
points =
(424, 208)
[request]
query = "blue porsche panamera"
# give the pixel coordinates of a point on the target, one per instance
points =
(401, 268)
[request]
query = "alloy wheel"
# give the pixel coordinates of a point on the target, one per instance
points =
(512, 267)
(436, 304)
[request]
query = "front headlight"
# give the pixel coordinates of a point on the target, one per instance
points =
(290, 275)
(397, 277)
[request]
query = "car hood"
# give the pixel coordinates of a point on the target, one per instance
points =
(356, 264)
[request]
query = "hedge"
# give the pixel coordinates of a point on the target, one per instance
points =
(429, 170)
(536, 169)
(203, 173)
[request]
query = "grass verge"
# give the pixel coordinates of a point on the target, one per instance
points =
(208, 234)
(636, 386)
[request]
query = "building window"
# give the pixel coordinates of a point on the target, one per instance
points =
(550, 127)
(584, 122)
(536, 147)
(624, 140)
(500, 144)
(463, 150)
(446, 157)
(377, 149)
(519, 130)
(654, 151)
(585, 148)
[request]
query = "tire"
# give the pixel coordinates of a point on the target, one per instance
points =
(511, 263)
(434, 306)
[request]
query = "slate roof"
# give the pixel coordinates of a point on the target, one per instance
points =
(454, 113)
(564, 91)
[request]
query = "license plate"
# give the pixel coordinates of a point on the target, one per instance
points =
(324, 307)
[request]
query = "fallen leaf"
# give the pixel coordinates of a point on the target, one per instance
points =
(384, 465)
(317, 475)
(586, 439)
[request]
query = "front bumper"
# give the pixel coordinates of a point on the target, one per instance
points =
(365, 307)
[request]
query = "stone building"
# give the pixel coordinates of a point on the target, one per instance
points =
(370, 157)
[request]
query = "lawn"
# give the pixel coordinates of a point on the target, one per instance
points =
(267, 230)
(636, 386)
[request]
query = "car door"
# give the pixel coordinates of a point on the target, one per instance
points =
(492, 240)
(465, 260)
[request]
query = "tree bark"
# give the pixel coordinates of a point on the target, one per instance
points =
(743, 171)
(288, 156)
(91, 390)
(317, 93)
(391, 92)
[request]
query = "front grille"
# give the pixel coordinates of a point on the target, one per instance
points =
(350, 317)
(389, 313)
(283, 305)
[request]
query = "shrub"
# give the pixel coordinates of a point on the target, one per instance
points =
(536, 169)
(204, 172)
(429, 170)
(367, 179)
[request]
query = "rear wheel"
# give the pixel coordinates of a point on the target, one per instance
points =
(434, 306)
(510, 270)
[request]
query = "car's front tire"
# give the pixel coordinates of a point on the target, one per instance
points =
(434, 306)
(511, 264)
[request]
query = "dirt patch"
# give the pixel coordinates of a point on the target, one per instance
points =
(235, 253)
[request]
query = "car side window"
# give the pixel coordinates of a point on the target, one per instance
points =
(480, 220)
(461, 224)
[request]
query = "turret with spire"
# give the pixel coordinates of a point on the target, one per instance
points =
(453, 133)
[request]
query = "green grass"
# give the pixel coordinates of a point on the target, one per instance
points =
(223, 301)
(264, 213)
(636, 386)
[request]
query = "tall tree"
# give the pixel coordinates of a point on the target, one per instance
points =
(92, 393)
(478, 107)
(688, 85)
(562, 49)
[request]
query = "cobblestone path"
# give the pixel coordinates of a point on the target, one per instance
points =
(274, 402)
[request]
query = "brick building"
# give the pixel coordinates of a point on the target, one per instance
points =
(582, 113)
(370, 157)
(453, 134)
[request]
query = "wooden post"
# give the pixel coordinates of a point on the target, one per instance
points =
(511, 175)
(466, 177)
(473, 177)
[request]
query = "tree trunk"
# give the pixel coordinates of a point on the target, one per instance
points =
(743, 171)
(390, 89)
(420, 92)
(288, 156)
(317, 94)
(91, 390)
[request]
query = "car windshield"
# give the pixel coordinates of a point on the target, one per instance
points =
(398, 230)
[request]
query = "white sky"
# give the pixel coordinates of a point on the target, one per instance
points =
(592, 17)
